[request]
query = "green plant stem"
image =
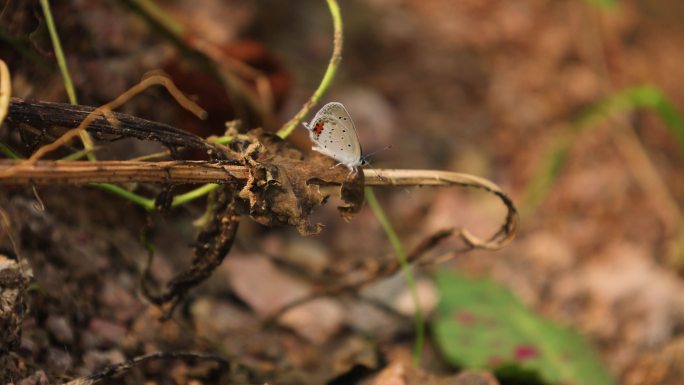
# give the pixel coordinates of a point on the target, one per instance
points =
(329, 75)
(64, 69)
(405, 269)
(146, 203)
(76, 155)
(199, 192)
(160, 16)
(630, 99)
(222, 139)
(59, 54)
(8, 152)
(283, 132)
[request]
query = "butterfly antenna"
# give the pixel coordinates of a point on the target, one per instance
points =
(366, 162)
(365, 157)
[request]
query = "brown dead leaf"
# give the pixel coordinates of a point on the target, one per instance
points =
(402, 374)
(317, 321)
(352, 194)
(665, 366)
(278, 190)
(262, 286)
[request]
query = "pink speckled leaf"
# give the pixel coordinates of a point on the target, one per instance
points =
(481, 325)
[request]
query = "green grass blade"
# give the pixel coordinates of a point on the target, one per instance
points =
(603, 3)
(146, 203)
(405, 269)
(639, 97)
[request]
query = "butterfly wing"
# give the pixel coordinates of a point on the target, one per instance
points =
(334, 134)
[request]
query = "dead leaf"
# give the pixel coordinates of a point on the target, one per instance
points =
(402, 374)
(351, 193)
(279, 189)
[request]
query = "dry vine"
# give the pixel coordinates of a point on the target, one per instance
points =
(273, 183)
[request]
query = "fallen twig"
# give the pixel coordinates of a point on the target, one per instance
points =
(123, 367)
(80, 172)
(43, 115)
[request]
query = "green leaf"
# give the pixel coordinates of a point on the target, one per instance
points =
(481, 325)
(603, 3)
(648, 97)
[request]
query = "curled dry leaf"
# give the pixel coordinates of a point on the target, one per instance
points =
(351, 193)
(278, 189)
(276, 186)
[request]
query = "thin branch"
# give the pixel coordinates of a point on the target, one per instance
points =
(335, 59)
(118, 369)
(106, 111)
(78, 172)
(116, 125)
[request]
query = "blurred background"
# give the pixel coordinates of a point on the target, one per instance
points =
(572, 106)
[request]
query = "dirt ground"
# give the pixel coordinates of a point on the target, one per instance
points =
(481, 87)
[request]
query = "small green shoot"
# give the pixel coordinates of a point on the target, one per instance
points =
(640, 97)
(603, 3)
(405, 269)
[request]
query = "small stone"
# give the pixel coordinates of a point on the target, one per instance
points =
(94, 360)
(37, 378)
(107, 332)
(59, 359)
(60, 328)
(317, 321)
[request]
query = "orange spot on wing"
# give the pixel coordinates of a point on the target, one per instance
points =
(318, 128)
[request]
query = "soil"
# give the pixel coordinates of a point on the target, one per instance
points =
(481, 87)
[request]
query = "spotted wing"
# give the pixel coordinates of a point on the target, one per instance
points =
(334, 134)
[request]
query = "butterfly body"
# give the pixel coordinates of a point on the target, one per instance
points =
(333, 133)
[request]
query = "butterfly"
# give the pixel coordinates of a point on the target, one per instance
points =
(333, 133)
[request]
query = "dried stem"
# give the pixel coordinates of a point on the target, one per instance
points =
(79, 172)
(106, 111)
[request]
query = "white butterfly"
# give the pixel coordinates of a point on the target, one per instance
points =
(333, 133)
